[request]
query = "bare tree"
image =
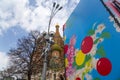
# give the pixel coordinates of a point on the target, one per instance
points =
(25, 58)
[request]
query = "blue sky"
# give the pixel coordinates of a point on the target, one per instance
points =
(10, 37)
(18, 17)
(86, 14)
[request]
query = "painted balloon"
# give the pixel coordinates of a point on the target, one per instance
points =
(65, 48)
(87, 44)
(77, 78)
(80, 58)
(104, 66)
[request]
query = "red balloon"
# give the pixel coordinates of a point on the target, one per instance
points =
(78, 78)
(87, 44)
(104, 66)
(65, 48)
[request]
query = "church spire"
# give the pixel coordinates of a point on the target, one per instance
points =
(57, 37)
(57, 30)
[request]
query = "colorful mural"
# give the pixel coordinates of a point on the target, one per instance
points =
(113, 8)
(91, 43)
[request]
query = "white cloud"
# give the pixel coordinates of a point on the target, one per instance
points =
(3, 60)
(20, 12)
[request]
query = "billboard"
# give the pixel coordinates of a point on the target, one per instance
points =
(92, 35)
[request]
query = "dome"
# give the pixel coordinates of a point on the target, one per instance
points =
(56, 47)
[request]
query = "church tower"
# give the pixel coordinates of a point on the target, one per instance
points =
(57, 37)
(57, 55)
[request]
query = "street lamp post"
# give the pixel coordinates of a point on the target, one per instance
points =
(55, 9)
(49, 41)
(47, 48)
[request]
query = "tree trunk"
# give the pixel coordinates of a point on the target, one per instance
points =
(29, 75)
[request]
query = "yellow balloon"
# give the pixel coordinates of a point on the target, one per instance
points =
(66, 62)
(80, 57)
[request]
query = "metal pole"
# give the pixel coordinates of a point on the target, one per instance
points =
(45, 60)
(51, 16)
(55, 9)
(47, 37)
(44, 68)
